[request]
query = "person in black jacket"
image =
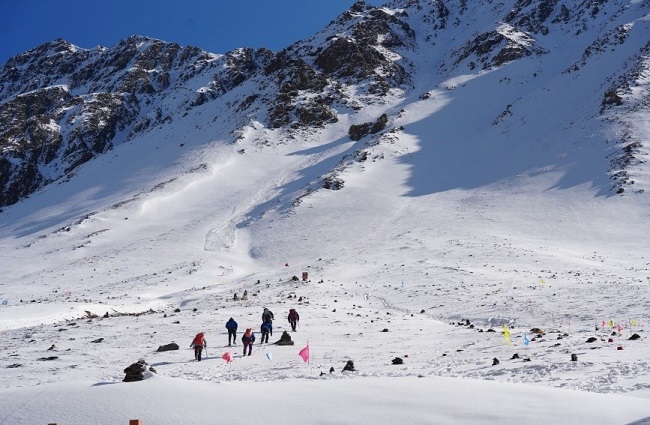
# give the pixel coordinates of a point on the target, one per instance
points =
(267, 315)
(266, 329)
(231, 325)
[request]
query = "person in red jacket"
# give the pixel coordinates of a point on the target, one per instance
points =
(293, 318)
(248, 339)
(198, 343)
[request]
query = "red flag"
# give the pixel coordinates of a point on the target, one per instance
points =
(227, 357)
(304, 353)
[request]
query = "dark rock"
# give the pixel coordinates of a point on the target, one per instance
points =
(592, 339)
(168, 347)
(178, 310)
(97, 341)
(634, 337)
(514, 356)
(135, 372)
(495, 361)
(48, 358)
(398, 360)
(574, 357)
(14, 365)
(385, 330)
(349, 366)
(285, 339)
(332, 369)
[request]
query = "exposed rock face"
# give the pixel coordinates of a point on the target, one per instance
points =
(62, 106)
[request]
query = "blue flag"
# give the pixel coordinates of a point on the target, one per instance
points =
(526, 341)
(269, 356)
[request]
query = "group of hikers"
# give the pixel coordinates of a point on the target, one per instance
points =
(199, 343)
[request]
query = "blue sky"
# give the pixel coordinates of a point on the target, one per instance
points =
(217, 26)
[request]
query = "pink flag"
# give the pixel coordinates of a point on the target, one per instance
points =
(620, 328)
(227, 357)
(304, 353)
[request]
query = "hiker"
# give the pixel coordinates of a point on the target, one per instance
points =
(267, 315)
(266, 329)
(231, 325)
(293, 318)
(198, 343)
(248, 339)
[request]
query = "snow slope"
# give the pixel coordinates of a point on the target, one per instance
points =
(451, 228)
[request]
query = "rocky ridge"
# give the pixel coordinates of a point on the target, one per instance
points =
(61, 105)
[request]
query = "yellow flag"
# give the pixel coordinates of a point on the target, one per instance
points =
(506, 333)
(633, 322)
(611, 323)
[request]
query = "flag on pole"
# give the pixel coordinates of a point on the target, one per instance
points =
(526, 341)
(269, 356)
(611, 323)
(506, 333)
(620, 328)
(304, 353)
(227, 356)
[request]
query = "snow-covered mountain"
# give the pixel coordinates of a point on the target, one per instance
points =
(62, 105)
(440, 169)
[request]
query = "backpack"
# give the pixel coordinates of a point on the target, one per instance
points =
(198, 339)
(293, 314)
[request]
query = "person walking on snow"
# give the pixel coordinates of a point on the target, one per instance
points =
(266, 329)
(198, 343)
(293, 318)
(267, 315)
(248, 339)
(231, 325)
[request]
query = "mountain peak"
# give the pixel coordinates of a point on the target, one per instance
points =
(357, 69)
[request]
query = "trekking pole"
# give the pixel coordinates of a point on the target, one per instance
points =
(206, 351)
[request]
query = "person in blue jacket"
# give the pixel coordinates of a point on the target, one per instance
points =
(248, 339)
(231, 325)
(266, 329)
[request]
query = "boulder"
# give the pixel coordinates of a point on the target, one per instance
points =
(137, 371)
(168, 347)
(349, 366)
(285, 339)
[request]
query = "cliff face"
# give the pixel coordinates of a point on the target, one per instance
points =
(61, 105)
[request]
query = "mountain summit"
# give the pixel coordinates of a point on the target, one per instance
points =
(570, 76)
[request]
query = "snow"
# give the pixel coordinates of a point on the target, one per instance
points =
(451, 229)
